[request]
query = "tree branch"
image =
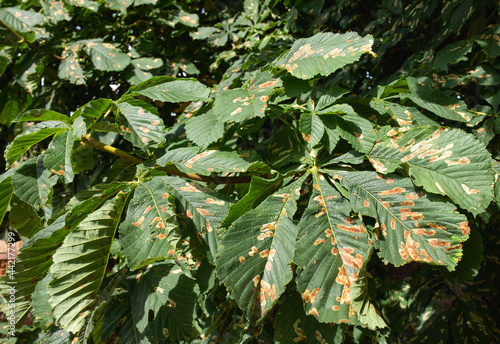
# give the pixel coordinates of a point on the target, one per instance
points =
(169, 169)
(31, 45)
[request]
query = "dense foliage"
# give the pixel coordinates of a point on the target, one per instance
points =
(251, 171)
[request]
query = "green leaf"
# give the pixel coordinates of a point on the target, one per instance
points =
(58, 158)
(32, 136)
(437, 102)
(180, 64)
(117, 321)
(331, 251)
(204, 129)
(413, 225)
(329, 97)
(351, 157)
(255, 253)
(405, 116)
(188, 19)
(119, 5)
(241, 104)
(259, 190)
(215, 36)
(23, 217)
(451, 54)
(460, 15)
(353, 128)
(83, 159)
(496, 172)
(312, 128)
(140, 124)
(362, 304)
(89, 113)
(70, 67)
(121, 169)
(165, 294)
(33, 183)
(489, 42)
(55, 336)
(283, 148)
(170, 89)
(471, 262)
(42, 115)
(6, 191)
(105, 56)
(55, 11)
(80, 264)
(147, 63)
(90, 5)
(324, 53)
(40, 300)
(444, 161)
(294, 326)
(89, 200)
(11, 104)
(150, 231)
(112, 283)
(203, 208)
(484, 75)
(188, 160)
(24, 21)
(32, 264)
(332, 134)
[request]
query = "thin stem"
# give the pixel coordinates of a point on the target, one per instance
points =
(169, 169)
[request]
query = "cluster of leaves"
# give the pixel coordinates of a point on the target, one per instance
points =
(275, 197)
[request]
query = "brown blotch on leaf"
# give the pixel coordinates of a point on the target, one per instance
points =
(310, 296)
(464, 227)
(319, 241)
(394, 191)
(439, 243)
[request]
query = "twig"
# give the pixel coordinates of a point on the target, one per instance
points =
(169, 169)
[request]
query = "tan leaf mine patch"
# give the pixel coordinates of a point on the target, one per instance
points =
(468, 190)
(310, 296)
(440, 188)
(299, 332)
(394, 191)
(379, 167)
(212, 201)
(138, 223)
(190, 162)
